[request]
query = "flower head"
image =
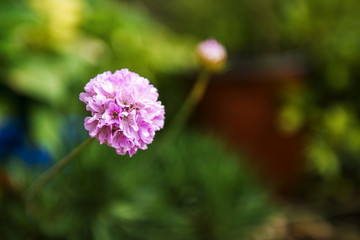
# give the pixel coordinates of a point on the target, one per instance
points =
(125, 112)
(212, 55)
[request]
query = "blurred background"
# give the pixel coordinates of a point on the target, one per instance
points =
(271, 152)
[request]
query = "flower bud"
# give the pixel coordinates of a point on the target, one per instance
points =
(212, 55)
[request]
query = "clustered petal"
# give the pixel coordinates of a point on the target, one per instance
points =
(125, 111)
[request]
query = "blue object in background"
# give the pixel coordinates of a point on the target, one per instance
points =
(14, 144)
(11, 136)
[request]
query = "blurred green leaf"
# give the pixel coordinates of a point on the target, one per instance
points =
(38, 82)
(323, 159)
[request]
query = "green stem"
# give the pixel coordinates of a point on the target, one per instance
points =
(44, 178)
(189, 105)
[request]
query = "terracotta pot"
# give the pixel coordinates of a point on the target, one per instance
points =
(243, 105)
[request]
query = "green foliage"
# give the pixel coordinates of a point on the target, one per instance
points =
(337, 136)
(42, 38)
(195, 190)
(203, 180)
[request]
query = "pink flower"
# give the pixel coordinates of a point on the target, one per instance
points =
(125, 111)
(212, 55)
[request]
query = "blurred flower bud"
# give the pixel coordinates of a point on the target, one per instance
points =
(212, 55)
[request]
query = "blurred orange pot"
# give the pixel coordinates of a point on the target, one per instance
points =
(243, 105)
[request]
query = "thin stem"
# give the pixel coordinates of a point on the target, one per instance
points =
(44, 178)
(189, 105)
